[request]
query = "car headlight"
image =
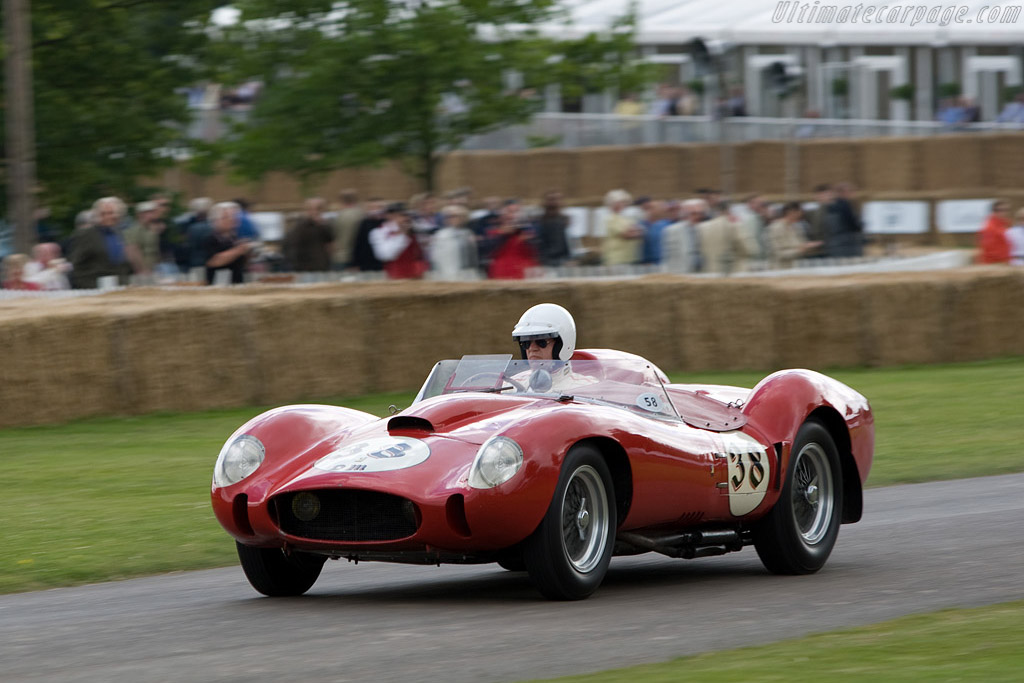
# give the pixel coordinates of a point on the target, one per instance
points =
(496, 462)
(240, 457)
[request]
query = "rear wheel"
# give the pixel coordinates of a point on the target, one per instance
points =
(275, 574)
(797, 536)
(567, 556)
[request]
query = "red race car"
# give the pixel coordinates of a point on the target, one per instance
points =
(552, 467)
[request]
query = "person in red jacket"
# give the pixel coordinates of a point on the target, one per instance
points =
(395, 245)
(512, 239)
(992, 242)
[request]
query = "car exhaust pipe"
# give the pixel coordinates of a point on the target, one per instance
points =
(687, 545)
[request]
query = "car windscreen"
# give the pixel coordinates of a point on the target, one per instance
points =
(630, 384)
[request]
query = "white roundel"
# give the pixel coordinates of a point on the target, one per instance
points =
(650, 402)
(382, 454)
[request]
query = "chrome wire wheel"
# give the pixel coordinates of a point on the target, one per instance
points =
(813, 494)
(585, 519)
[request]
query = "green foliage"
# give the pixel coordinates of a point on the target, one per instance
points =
(840, 87)
(538, 141)
(949, 90)
(902, 92)
(104, 76)
(696, 86)
(394, 80)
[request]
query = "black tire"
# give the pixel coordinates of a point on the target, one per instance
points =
(567, 556)
(277, 575)
(512, 563)
(797, 536)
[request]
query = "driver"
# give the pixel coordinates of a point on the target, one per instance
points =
(546, 332)
(546, 335)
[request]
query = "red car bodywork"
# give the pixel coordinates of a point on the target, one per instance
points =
(668, 474)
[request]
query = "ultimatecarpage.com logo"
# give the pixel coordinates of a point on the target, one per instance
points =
(789, 12)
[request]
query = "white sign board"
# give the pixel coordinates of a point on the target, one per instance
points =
(896, 218)
(269, 225)
(597, 219)
(579, 217)
(962, 215)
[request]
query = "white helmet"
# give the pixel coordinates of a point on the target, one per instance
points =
(548, 321)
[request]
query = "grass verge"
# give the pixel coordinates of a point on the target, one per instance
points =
(112, 498)
(981, 644)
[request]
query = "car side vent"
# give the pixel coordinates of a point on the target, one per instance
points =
(409, 422)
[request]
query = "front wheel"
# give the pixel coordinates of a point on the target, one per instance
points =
(567, 556)
(797, 536)
(275, 574)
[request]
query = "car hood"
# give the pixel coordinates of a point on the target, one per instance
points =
(471, 417)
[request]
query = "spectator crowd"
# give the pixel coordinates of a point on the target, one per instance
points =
(449, 238)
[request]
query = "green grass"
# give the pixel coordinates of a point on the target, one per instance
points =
(982, 644)
(112, 498)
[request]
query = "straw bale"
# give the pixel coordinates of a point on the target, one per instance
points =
(158, 349)
(56, 368)
(906, 323)
(951, 161)
(725, 325)
(408, 331)
(606, 168)
(450, 173)
(890, 165)
(820, 325)
(985, 314)
(222, 187)
(180, 358)
(304, 347)
(493, 173)
(1003, 160)
(338, 180)
(761, 167)
(702, 168)
(659, 170)
(387, 181)
(633, 315)
(828, 161)
(280, 188)
(549, 169)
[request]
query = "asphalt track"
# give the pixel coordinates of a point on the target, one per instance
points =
(918, 549)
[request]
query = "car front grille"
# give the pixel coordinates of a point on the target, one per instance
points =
(346, 515)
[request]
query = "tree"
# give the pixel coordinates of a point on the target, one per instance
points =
(374, 79)
(107, 75)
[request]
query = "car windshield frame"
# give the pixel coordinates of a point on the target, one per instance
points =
(630, 384)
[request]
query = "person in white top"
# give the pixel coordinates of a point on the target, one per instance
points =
(1015, 236)
(47, 268)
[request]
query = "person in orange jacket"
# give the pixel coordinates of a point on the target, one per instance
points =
(992, 242)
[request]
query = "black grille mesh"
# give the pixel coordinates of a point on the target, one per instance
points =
(351, 515)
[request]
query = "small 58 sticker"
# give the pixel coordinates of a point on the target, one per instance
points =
(649, 402)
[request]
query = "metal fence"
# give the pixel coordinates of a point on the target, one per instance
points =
(595, 130)
(591, 130)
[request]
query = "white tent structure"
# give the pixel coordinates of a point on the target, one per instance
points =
(873, 45)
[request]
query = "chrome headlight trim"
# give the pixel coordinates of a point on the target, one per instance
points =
(239, 458)
(497, 461)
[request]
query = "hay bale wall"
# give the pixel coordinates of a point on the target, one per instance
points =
(150, 350)
(947, 166)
